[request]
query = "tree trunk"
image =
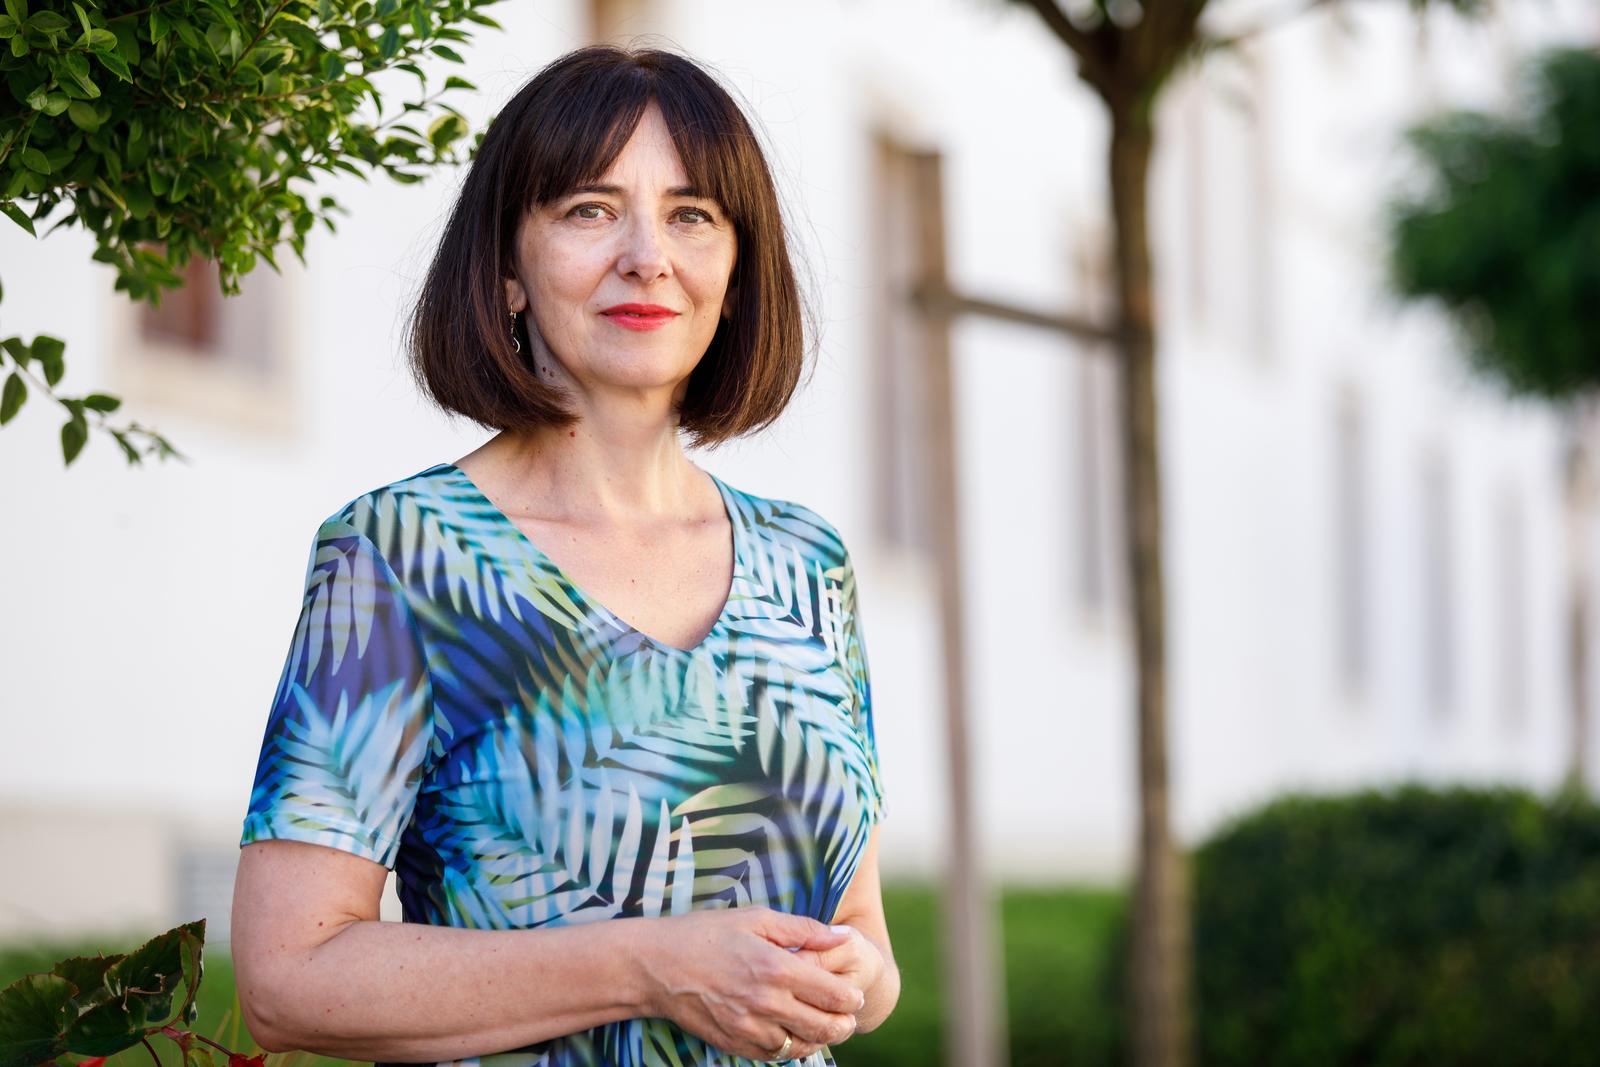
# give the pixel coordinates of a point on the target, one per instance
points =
(1160, 964)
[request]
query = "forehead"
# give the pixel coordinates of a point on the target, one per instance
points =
(641, 160)
(649, 156)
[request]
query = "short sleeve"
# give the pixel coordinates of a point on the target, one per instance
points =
(855, 655)
(350, 729)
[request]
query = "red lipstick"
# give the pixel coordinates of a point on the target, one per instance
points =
(640, 316)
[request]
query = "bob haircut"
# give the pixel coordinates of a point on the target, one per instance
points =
(563, 129)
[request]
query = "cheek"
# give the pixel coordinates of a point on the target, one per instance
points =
(713, 271)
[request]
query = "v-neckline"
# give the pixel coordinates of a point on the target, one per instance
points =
(543, 559)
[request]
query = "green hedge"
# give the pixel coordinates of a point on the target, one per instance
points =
(1447, 928)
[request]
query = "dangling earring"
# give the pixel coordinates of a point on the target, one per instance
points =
(516, 343)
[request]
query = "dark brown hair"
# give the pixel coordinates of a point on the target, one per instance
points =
(562, 129)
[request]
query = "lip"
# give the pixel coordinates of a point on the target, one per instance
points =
(640, 316)
(638, 309)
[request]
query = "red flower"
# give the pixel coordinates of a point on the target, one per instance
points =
(237, 1059)
(93, 1061)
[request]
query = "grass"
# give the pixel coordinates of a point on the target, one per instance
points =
(1057, 944)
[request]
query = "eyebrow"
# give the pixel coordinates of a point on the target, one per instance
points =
(616, 190)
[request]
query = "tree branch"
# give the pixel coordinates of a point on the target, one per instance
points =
(1088, 45)
(1210, 43)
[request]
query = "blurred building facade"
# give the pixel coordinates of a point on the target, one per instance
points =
(1365, 547)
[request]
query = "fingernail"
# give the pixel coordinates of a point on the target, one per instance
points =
(840, 929)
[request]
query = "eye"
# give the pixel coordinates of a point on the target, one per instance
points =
(583, 207)
(704, 215)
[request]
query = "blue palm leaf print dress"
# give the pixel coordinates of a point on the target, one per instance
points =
(452, 706)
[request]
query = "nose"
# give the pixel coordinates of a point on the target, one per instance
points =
(643, 254)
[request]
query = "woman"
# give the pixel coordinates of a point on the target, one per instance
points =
(573, 677)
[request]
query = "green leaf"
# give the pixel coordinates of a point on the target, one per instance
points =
(389, 43)
(83, 115)
(34, 1010)
(8, 26)
(88, 973)
(444, 129)
(56, 103)
(83, 17)
(152, 972)
(47, 22)
(16, 391)
(455, 81)
(159, 181)
(447, 52)
(192, 942)
(115, 64)
(16, 350)
(117, 1024)
(99, 38)
(75, 69)
(135, 459)
(127, 41)
(48, 351)
(17, 9)
(158, 25)
(19, 46)
(18, 216)
(101, 402)
(34, 160)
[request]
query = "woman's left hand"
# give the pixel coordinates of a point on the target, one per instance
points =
(857, 959)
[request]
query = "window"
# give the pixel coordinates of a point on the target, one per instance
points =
(610, 19)
(1099, 563)
(1228, 196)
(1351, 546)
(899, 379)
(1438, 591)
(221, 358)
(1512, 578)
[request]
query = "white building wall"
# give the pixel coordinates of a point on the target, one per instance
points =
(147, 611)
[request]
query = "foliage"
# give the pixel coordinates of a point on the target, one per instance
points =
(98, 1005)
(1507, 237)
(186, 127)
(1412, 926)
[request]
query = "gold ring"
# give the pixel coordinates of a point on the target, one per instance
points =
(788, 1039)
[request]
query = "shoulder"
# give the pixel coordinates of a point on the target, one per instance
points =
(383, 513)
(791, 526)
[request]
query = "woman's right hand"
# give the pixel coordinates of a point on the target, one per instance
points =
(726, 976)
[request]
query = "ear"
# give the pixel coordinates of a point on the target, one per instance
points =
(516, 296)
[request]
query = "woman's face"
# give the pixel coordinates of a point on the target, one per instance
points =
(634, 237)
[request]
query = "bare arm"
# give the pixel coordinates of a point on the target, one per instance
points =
(862, 907)
(318, 971)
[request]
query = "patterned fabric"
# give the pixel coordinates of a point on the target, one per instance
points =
(454, 707)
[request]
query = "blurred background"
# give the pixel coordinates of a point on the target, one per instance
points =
(1372, 552)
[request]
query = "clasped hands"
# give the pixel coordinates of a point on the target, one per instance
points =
(743, 978)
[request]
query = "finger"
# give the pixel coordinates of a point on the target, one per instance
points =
(823, 990)
(820, 1027)
(811, 956)
(785, 928)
